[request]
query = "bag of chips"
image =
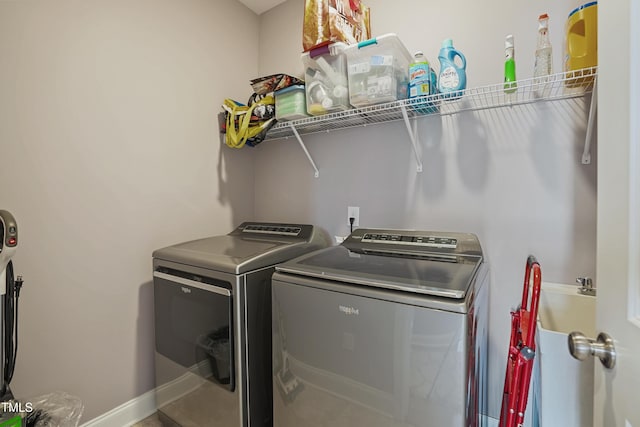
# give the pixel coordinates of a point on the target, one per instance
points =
(328, 21)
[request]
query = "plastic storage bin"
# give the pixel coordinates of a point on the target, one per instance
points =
(326, 79)
(290, 103)
(378, 70)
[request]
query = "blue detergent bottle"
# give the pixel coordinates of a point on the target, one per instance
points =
(453, 78)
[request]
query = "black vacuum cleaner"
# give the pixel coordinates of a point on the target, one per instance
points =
(9, 294)
(13, 412)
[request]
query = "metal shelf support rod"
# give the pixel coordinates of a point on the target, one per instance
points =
(586, 154)
(306, 152)
(413, 135)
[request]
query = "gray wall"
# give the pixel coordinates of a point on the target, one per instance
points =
(109, 149)
(109, 146)
(511, 175)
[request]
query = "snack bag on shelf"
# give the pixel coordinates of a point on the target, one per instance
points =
(327, 21)
(268, 84)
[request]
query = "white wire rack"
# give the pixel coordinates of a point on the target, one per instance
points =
(567, 85)
(556, 86)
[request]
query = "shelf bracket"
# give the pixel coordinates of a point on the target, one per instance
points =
(586, 154)
(306, 152)
(413, 135)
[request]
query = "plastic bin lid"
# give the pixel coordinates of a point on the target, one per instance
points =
(289, 89)
(333, 49)
(390, 39)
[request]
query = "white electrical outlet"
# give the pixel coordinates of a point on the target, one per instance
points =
(353, 212)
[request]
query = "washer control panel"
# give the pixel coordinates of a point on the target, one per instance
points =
(412, 240)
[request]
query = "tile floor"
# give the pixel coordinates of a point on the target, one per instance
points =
(193, 409)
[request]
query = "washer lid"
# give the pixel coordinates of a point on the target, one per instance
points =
(431, 274)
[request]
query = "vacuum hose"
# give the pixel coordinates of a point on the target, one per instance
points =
(10, 327)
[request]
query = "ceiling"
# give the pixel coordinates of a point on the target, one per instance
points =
(261, 6)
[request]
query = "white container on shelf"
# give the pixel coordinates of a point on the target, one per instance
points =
(326, 79)
(378, 70)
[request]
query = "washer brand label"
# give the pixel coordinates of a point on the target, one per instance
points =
(186, 290)
(349, 310)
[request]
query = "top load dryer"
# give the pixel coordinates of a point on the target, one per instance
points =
(387, 329)
(213, 323)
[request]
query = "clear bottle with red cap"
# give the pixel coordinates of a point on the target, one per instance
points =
(543, 65)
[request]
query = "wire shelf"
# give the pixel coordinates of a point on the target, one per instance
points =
(567, 85)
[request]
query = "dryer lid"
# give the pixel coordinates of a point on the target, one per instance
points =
(250, 246)
(222, 253)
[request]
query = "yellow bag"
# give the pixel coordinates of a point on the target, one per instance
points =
(242, 126)
(328, 21)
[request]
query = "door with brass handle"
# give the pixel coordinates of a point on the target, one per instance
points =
(602, 347)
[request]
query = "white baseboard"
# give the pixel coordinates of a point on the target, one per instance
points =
(144, 405)
(128, 413)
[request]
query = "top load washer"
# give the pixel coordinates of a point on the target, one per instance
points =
(387, 329)
(212, 323)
